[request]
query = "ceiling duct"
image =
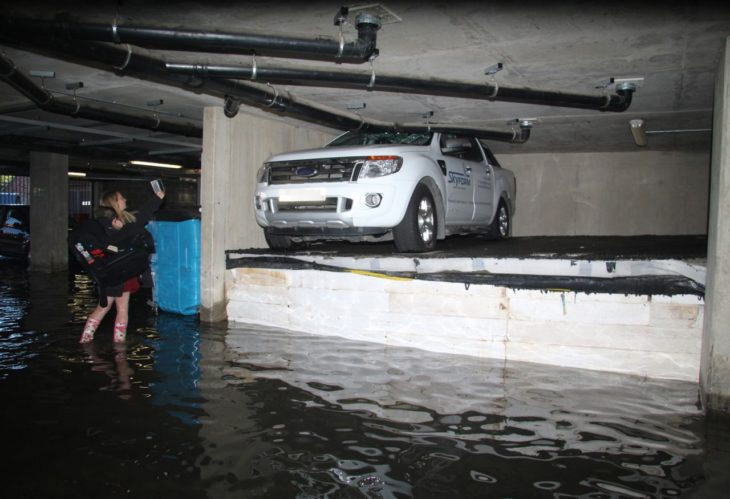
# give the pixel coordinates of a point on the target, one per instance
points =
(125, 61)
(446, 88)
(72, 107)
(193, 40)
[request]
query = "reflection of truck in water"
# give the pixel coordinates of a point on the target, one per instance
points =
(413, 187)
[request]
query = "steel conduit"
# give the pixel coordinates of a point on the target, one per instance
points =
(152, 69)
(46, 101)
(191, 40)
(446, 88)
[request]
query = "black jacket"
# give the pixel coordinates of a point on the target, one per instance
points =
(143, 216)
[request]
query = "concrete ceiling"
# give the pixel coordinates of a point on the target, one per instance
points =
(567, 47)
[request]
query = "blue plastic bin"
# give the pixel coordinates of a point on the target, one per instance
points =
(176, 265)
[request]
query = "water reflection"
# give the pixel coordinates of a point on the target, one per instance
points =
(184, 410)
(119, 371)
(176, 360)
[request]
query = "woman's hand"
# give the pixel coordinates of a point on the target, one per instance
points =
(117, 224)
(160, 194)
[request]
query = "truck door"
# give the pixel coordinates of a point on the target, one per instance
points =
(459, 183)
(483, 177)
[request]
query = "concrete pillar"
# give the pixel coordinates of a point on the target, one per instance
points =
(215, 194)
(233, 150)
(48, 212)
(715, 366)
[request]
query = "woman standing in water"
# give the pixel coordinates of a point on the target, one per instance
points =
(119, 224)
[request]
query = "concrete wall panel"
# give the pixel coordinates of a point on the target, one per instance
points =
(638, 334)
(642, 192)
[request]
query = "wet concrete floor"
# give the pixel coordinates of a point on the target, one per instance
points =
(187, 410)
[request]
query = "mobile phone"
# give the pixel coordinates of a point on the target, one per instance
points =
(157, 186)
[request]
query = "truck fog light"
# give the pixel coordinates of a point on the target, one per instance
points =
(373, 199)
(258, 202)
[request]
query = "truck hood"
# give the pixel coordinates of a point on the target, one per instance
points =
(347, 151)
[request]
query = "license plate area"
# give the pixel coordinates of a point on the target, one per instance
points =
(307, 195)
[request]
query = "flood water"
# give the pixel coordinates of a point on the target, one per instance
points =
(185, 410)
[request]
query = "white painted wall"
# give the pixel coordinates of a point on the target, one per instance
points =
(653, 336)
(635, 193)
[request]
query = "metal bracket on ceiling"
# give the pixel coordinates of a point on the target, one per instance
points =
(126, 61)
(153, 104)
(526, 122)
(491, 71)
(372, 74)
(75, 86)
(338, 56)
(276, 95)
(427, 116)
(354, 106)
(42, 75)
(494, 69)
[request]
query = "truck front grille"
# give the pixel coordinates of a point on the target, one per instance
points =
(312, 170)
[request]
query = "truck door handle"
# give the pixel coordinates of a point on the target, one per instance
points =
(468, 169)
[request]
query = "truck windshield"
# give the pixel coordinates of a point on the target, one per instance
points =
(369, 138)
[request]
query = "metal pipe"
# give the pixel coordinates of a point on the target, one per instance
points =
(152, 69)
(388, 83)
(46, 101)
(358, 51)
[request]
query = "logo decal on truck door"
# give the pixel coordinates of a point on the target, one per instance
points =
(459, 179)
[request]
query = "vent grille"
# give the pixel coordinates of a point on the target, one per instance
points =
(312, 170)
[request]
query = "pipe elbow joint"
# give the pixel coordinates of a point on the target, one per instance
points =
(622, 100)
(367, 36)
(524, 135)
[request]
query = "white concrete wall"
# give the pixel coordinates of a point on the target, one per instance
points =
(634, 193)
(655, 336)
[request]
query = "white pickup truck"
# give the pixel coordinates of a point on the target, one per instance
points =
(413, 187)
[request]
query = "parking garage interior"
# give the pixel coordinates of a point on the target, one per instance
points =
(617, 264)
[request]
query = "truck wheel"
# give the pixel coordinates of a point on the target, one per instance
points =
(417, 231)
(500, 227)
(278, 242)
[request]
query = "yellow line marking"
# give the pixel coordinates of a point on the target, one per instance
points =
(380, 275)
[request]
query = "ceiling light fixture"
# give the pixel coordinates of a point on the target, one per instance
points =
(156, 165)
(637, 130)
(640, 134)
(76, 174)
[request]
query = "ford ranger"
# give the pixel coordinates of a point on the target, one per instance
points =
(412, 187)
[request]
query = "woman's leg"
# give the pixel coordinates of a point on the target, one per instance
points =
(120, 321)
(94, 319)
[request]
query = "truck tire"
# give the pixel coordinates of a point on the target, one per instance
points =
(278, 242)
(501, 226)
(417, 231)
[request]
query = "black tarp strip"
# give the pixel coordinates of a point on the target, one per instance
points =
(635, 285)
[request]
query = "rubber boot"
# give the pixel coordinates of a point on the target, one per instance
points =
(89, 329)
(120, 332)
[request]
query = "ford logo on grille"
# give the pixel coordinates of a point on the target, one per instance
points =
(306, 171)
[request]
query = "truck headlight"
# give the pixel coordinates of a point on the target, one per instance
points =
(262, 175)
(380, 166)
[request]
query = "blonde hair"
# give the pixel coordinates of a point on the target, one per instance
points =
(109, 200)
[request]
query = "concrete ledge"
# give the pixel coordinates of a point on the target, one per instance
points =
(657, 336)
